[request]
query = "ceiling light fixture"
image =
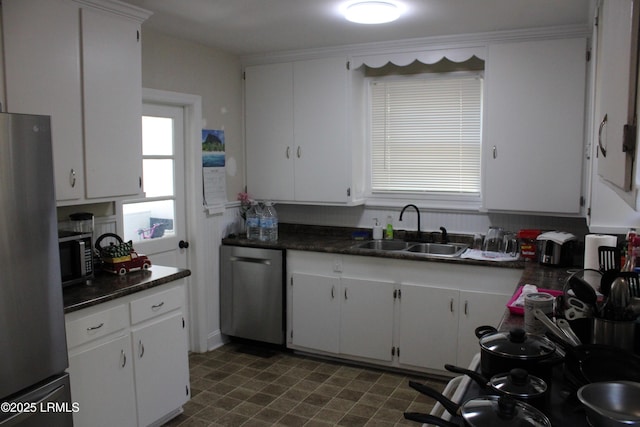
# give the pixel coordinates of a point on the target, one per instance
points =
(372, 12)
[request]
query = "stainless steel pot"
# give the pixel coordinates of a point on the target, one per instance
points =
(611, 404)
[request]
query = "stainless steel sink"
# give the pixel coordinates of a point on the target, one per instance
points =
(438, 249)
(448, 250)
(383, 245)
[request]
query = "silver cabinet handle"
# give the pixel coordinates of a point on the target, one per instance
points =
(123, 357)
(93, 328)
(140, 349)
(495, 152)
(72, 178)
(451, 305)
(466, 308)
(345, 294)
(288, 152)
(333, 292)
(157, 306)
(603, 123)
(299, 151)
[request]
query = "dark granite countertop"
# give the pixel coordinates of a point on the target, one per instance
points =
(340, 240)
(107, 287)
(541, 276)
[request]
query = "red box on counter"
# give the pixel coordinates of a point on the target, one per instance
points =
(528, 242)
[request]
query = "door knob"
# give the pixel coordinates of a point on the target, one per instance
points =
(183, 245)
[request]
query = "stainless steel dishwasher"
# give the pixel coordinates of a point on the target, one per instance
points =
(252, 293)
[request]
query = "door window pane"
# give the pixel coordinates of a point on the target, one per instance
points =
(158, 177)
(148, 220)
(157, 136)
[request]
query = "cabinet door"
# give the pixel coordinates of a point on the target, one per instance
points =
(269, 131)
(366, 318)
(161, 367)
(428, 326)
(535, 104)
(322, 156)
(42, 66)
(617, 74)
(315, 317)
(102, 384)
(112, 94)
(476, 309)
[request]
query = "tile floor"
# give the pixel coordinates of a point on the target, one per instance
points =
(236, 386)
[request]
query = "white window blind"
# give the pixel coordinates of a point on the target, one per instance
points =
(426, 135)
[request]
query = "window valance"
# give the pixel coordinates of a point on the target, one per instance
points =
(423, 56)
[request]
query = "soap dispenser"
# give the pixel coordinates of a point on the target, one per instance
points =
(377, 230)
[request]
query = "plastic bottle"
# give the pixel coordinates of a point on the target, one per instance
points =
(252, 222)
(389, 230)
(269, 223)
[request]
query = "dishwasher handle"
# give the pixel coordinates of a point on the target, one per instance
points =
(254, 260)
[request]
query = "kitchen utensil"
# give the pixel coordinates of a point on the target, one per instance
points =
(552, 327)
(516, 383)
(609, 258)
(618, 300)
(564, 325)
(582, 290)
(577, 309)
(502, 351)
(537, 300)
(486, 410)
(609, 404)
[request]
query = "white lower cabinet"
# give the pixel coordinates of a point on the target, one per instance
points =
(128, 359)
(428, 326)
(417, 315)
(342, 316)
(102, 384)
(315, 312)
(161, 367)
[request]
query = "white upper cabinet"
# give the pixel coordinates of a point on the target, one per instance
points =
(80, 63)
(616, 79)
(112, 89)
(303, 138)
(42, 71)
(534, 137)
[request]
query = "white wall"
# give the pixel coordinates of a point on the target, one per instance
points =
(182, 66)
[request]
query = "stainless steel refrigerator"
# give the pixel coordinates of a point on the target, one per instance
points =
(34, 389)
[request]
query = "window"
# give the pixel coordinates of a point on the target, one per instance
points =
(426, 134)
(153, 217)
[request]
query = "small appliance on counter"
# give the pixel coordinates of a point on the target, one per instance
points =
(556, 248)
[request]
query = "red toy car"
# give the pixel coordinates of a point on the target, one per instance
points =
(124, 264)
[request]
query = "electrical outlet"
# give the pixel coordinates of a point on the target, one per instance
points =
(337, 265)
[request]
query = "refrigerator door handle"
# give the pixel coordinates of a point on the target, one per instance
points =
(20, 417)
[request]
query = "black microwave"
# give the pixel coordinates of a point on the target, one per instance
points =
(76, 257)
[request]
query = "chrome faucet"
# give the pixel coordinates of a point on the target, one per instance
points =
(417, 212)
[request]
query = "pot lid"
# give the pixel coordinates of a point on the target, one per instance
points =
(502, 411)
(519, 384)
(517, 344)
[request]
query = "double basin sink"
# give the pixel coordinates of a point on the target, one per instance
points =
(446, 250)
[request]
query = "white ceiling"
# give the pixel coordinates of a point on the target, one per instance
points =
(247, 27)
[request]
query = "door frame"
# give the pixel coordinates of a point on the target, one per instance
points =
(196, 292)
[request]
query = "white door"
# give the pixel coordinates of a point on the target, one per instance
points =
(157, 223)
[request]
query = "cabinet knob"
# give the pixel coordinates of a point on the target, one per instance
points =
(495, 152)
(288, 152)
(183, 245)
